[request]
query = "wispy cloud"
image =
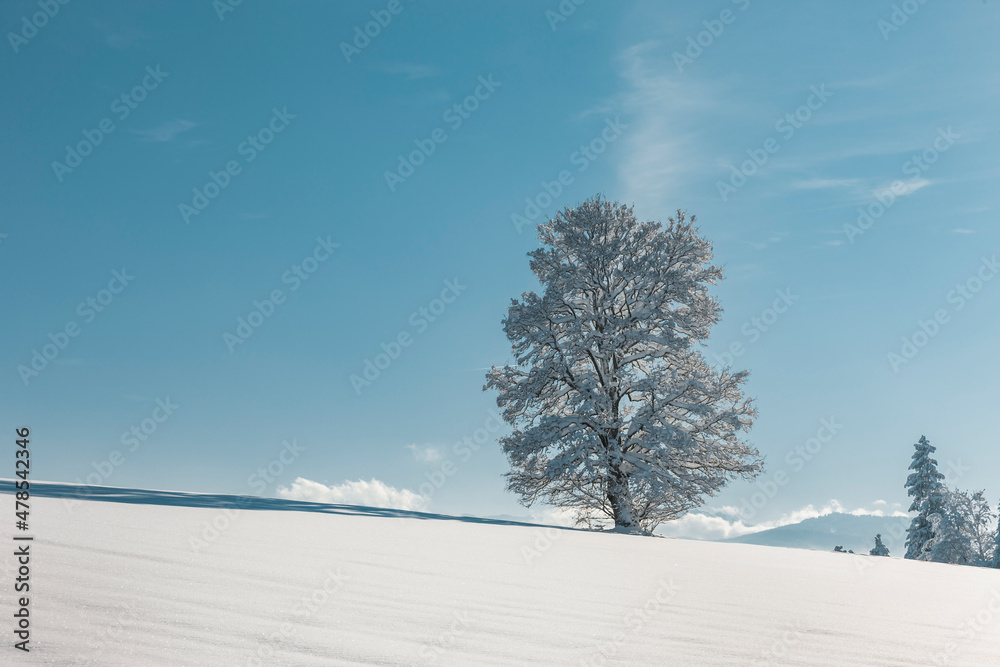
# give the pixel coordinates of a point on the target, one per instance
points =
(258, 215)
(776, 237)
(121, 34)
(875, 81)
(855, 191)
(165, 131)
(825, 183)
(412, 71)
(426, 453)
(372, 493)
(601, 109)
(658, 145)
(73, 361)
(959, 230)
(902, 188)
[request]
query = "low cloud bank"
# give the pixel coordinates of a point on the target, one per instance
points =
(372, 493)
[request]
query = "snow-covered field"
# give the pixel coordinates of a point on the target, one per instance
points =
(121, 584)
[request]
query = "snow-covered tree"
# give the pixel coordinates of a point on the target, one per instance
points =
(951, 531)
(880, 549)
(614, 411)
(981, 528)
(925, 487)
(996, 548)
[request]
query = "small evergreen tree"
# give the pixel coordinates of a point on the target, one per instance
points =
(925, 487)
(880, 549)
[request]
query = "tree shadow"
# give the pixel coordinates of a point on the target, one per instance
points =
(220, 500)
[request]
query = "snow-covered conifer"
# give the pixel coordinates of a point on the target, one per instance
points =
(880, 549)
(925, 487)
(996, 548)
(981, 525)
(614, 410)
(952, 539)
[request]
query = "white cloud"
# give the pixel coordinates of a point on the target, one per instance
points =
(372, 493)
(730, 510)
(554, 516)
(426, 453)
(704, 527)
(959, 230)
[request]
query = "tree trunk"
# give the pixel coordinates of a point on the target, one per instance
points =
(620, 499)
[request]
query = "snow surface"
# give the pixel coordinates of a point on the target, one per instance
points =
(118, 583)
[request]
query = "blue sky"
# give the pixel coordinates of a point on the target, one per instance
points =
(231, 160)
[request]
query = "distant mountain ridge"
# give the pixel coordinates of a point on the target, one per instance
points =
(853, 532)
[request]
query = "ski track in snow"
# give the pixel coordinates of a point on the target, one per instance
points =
(116, 583)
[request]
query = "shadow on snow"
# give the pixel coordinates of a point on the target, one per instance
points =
(220, 500)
